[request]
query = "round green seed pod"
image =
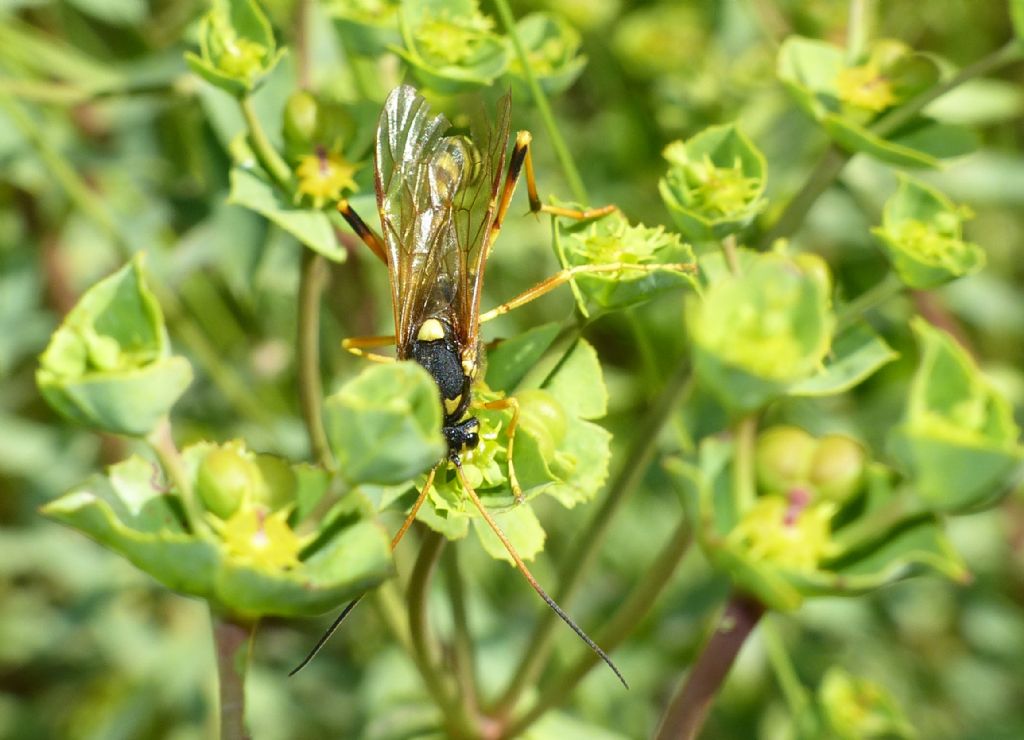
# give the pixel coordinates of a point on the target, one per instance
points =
(301, 113)
(837, 471)
(783, 458)
(225, 479)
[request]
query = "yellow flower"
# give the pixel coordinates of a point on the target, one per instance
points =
(788, 532)
(323, 177)
(254, 536)
(865, 87)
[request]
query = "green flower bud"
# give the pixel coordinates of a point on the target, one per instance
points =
(837, 471)
(237, 47)
(922, 235)
(758, 333)
(109, 364)
(226, 478)
(959, 440)
(856, 708)
(715, 182)
(783, 458)
(451, 46)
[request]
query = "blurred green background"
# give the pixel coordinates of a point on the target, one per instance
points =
(91, 648)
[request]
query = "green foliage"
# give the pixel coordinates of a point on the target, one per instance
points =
(922, 233)
(846, 98)
(757, 333)
(714, 184)
(109, 365)
(826, 411)
(385, 425)
(254, 566)
(958, 437)
(237, 47)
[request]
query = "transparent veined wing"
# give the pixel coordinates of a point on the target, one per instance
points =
(436, 195)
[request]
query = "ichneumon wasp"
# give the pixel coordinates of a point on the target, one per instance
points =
(441, 202)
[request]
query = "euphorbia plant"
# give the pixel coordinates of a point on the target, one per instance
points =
(754, 370)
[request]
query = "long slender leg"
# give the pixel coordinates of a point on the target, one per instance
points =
(521, 157)
(364, 232)
(352, 604)
(566, 275)
(357, 345)
(529, 576)
(499, 405)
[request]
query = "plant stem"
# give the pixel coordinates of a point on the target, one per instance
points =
(876, 295)
(232, 641)
(162, 443)
(858, 30)
(425, 649)
(572, 174)
(732, 257)
(821, 177)
(463, 660)
(311, 282)
(268, 157)
(797, 697)
(689, 708)
(580, 559)
(619, 627)
(743, 475)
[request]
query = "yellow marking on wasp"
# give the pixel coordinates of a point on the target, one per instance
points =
(451, 405)
(430, 331)
(469, 366)
(523, 139)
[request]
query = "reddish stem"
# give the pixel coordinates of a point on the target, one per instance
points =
(689, 708)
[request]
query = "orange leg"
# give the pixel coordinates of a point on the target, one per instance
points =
(564, 276)
(352, 604)
(521, 157)
(529, 576)
(364, 232)
(357, 345)
(509, 403)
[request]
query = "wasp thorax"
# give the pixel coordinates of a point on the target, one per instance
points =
(437, 351)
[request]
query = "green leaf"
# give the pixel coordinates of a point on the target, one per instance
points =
(613, 240)
(522, 528)
(922, 235)
(385, 425)
(958, 440)
(109, 364)
(552, 48)
(855, 355)
(311, 227)
(758, 333)
(1017, 18)
(715, 183)
(367, 28)
(578, 384)
(510, 361)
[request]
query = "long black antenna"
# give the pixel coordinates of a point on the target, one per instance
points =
(533, 581)
(352, 604)
(326, 636)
